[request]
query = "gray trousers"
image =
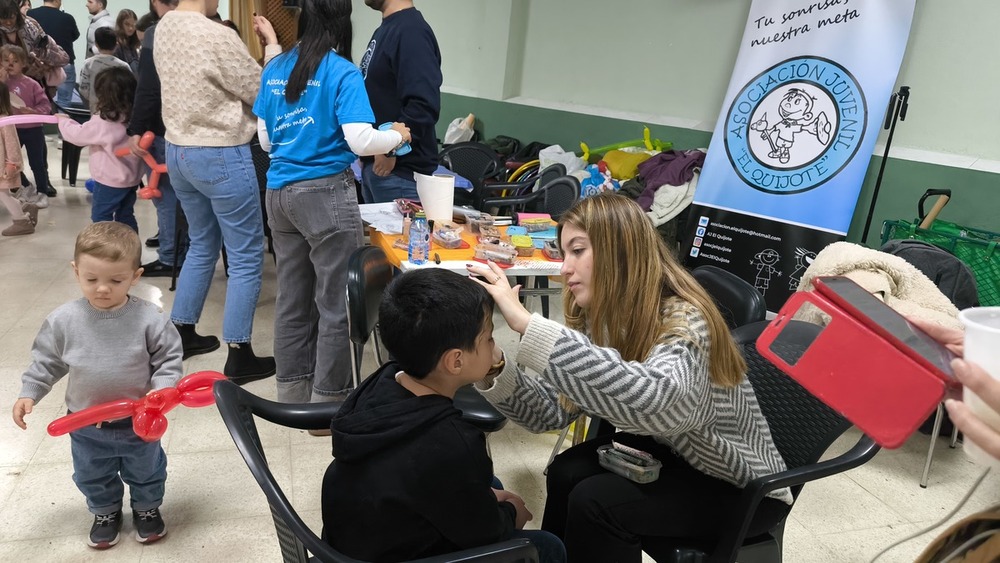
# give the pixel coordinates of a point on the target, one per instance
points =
(315, 225)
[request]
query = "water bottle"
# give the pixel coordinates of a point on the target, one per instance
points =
(420, 239)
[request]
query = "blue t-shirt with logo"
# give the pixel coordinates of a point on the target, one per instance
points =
(307, 141)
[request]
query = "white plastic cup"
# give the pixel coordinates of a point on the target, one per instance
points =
(437, 195)
(982, 347)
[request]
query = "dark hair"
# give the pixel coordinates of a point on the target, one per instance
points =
(104, 38)
(426, 312)
(148, 19)
(5, 107)
(232, 25)
(12, 9)
(129, 41)
(324, 26)
(114, 89)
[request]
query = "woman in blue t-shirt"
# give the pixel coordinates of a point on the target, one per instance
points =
(315, 114)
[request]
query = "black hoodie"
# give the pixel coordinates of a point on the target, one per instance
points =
(410, 478)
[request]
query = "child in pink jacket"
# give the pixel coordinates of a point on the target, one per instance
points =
(116, 178)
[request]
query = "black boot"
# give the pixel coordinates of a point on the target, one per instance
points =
(243, 366)
(195, 343)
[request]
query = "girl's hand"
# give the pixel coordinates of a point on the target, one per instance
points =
(264, 30)
(495, 281)
(10, 170)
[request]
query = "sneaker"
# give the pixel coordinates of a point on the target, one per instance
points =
(149, 525)
(156, 269)
(20, 227)
(104, 532)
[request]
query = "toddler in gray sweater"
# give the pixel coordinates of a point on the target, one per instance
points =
(113, 346)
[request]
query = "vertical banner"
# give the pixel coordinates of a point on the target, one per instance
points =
(795, 136)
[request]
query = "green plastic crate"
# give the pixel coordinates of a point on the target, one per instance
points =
(975, 247)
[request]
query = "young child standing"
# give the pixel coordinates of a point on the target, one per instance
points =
(417, 475)
(113, 346)
(31, 137)
(10, 177)
(116, 178)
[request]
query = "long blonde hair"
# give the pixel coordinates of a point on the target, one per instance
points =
(633, 274)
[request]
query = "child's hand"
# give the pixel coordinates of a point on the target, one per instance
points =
(133, 145)
(10, 170)
(522, 514)
(22, 407)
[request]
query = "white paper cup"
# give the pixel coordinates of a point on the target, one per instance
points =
(982, 347)
(437, 195)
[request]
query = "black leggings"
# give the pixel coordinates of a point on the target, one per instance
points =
(603, 517)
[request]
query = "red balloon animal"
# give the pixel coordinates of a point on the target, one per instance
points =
(147, 413)
(156, 169)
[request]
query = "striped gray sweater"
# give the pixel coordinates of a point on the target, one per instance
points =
(719, 431)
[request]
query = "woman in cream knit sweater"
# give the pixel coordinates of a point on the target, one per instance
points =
(209, 84)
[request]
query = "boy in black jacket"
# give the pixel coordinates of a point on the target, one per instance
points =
(411, 478)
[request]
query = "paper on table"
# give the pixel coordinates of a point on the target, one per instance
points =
(384, 217)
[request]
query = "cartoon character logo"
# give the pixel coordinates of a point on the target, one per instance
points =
(796, 113)
(794, 126)
(764, 261)
(803, 259)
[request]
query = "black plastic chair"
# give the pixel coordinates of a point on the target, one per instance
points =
(238, 408)
(71, 152)
(368, 274)
(802, 427)
(738, 300)
(479, 164)
(957, 282)
(555, 197)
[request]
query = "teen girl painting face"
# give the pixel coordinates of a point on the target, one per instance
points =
(578, 263)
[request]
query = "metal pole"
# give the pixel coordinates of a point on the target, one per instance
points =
(896, 111)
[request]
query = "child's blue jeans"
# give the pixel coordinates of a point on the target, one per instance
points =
(105, 457)
(114, 204)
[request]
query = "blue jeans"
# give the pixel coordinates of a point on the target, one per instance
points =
(380, 189)
(105, 457)
(114, 204)
(166, 210)
(218, 191)
(315, 226)
(33, 141)
(64, 92)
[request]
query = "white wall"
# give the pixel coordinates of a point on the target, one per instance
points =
(669, 61)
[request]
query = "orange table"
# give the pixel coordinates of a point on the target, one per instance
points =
(386, 216)
(455, 260)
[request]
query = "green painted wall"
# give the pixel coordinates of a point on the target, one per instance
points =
(975, 201)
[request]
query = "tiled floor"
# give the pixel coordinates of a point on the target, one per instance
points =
(214, 509)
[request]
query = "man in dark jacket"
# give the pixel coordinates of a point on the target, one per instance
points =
(402, 70)
(411, 478)
(62, 27)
